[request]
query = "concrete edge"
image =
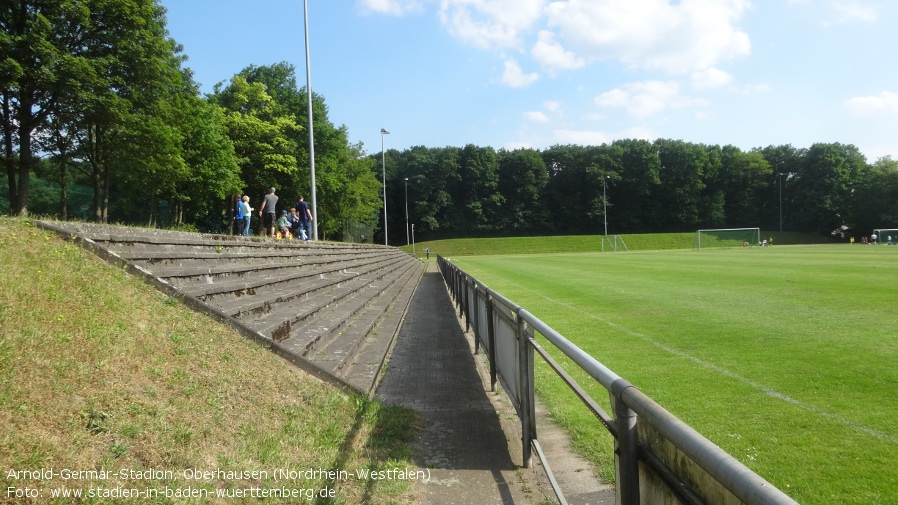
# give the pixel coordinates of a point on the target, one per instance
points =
(167, 289)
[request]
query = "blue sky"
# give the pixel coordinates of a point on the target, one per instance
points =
(535, 73)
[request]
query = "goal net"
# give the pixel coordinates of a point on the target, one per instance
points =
(728, 237)
(888, 236)
(613, 243)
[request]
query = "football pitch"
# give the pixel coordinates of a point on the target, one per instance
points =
(786, 357)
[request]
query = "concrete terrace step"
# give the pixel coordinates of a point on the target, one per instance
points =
(261, 296)
(366, 340)
(279, 320)
(318, 333)
(331, 308)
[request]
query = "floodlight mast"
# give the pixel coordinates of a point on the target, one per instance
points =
(383, 162)
(313, 195)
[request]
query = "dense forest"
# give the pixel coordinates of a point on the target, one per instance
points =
(102, 121)
(641, 187)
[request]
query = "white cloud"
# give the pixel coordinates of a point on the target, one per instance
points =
(642, 99)
(702, 116)
(536, 117)
(580, 137)
(394, 7)
(553, 56)
(552, 105)
(514, 77)
(681, 37)
(846, 12)
(490, 23)
(639, 132)
(755, 89)
(886, 102)
(710, 78)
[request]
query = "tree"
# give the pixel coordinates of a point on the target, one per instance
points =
(263, 137)
(431, 172)
(785, 161)
(476, 194)
(346, 188)
(745, 179)
(44, 50)
(824, 185)
(874, 198)
(635, 208)
(682, 175)
(522, 181)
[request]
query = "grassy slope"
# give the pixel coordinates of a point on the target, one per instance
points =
(100, 371)
(783, 356)
(582, 243)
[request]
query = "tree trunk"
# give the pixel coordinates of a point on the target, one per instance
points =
(63, 189)
(25, 160)
(9, 156)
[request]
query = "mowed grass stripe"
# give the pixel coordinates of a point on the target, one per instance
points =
(783, 356)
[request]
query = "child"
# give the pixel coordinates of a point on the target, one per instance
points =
(284, 225)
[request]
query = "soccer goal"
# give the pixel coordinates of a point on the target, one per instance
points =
(888, 236)
(614, 243)
(728, 237)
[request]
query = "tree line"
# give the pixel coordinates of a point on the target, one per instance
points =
(96, 93)
(96, 97)
(638, 186)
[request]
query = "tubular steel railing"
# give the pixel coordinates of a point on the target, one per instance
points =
(650, 442)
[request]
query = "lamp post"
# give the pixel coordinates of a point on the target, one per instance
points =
(311, 133)
(407, 241)
(781, 201)
(604, 204)
(383, 162)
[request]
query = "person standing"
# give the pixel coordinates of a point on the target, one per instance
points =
(247, 215)
(236, 216)
(305, 218)
(268, 214)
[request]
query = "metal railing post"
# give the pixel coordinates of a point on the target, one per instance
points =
(476, 314)
(525, 391)
(468, 283)
(491, 338)
(627, 481)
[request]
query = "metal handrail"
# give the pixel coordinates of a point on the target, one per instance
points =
(628, 403)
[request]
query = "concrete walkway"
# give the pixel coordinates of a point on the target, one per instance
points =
(471, 442)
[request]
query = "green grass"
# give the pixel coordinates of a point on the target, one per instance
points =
(785, 356)
(98, 371)
(582, 243)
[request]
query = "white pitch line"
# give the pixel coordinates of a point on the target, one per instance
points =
(765, 389)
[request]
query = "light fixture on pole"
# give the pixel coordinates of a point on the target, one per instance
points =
(311, 132)
(383, 162)
(407, 242)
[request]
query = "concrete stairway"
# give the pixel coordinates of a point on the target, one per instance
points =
(332, 308)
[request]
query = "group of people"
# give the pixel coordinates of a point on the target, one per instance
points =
(297, 222)
(873, 239)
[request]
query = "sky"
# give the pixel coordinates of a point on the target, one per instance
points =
(536, 73)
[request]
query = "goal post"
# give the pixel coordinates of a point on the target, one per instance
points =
(728, 237)
(888, 236)
(613, 243)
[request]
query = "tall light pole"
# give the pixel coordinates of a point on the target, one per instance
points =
(604, 204)
(383, 162)
(781, 202)
(407, 241)
(311, 133)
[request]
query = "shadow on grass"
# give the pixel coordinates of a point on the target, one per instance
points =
(387, 445)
